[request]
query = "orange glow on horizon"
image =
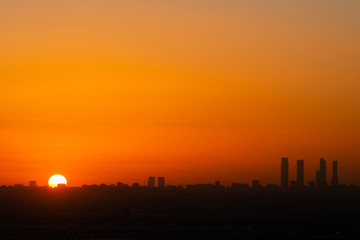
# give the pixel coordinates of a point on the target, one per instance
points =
(195, 91)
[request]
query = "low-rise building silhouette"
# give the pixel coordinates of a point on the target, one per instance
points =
(32, 183)
(121, 185)
(217, 183)
(255, 184)
(239, 186)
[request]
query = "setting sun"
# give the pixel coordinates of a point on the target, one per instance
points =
(57, 179)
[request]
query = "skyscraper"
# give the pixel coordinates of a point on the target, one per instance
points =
(322, 176)
(284, 172)
(151, 182)
(161, 182)
(334, 180)
(300, 173)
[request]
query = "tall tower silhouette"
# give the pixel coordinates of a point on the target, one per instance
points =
(300, 173)
(334, 180)
(161, 182)
(322, 176)
(151, 182)
(284, 172)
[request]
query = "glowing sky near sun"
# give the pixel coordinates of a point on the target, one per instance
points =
(105, 91)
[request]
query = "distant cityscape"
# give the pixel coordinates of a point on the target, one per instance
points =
(320, 180)
(159, 182)
(138, 210)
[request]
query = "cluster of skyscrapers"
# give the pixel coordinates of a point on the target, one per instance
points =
(161, 182)
(321, 180)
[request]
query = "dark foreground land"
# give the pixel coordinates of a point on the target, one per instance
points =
(217, 213)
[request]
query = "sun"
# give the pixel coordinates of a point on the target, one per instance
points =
(57, 179)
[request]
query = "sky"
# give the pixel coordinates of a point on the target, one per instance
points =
(106, 91)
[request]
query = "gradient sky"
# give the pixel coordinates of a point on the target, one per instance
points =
(107, 90)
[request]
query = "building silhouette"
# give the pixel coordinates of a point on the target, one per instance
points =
(293, 184)
(32, 184)
(161, 182)
(121, 185)
(334, 180)
(300, 173)
(217, 183)
(284, 172)
(239, 186)
(151, 182)
(322, 173)
(255, 184)
(318, 181)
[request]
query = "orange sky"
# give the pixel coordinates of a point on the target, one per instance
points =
(104, 91)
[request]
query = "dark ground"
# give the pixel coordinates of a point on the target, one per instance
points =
(113, 213)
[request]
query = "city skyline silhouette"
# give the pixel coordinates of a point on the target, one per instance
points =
(204, 211)
(286, 180)
(198, 119)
